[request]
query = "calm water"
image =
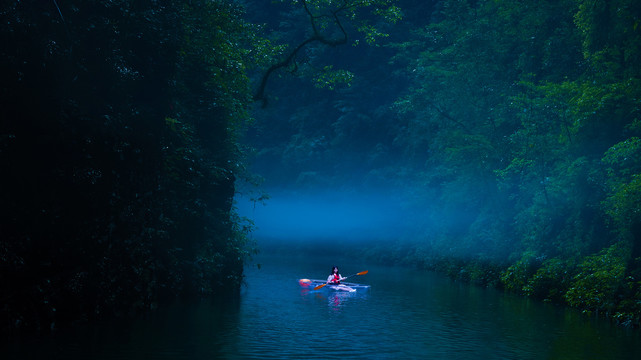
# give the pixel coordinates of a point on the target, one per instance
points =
(405, 315)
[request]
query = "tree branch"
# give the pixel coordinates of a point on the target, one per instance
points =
(316, 37)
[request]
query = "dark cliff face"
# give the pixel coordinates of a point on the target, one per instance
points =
(116, 180)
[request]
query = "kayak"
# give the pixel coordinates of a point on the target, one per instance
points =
(344, 286)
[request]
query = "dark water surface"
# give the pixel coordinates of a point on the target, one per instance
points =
(406, 314)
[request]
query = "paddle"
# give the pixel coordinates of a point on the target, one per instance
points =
(323, 285)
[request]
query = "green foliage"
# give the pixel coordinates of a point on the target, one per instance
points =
(222, 47)
(628, 312)
(483, 272)
(551, 280)
(122, 152)
(624, 179)
(330, 23)
(528, 113)
(330, 78)
(599, 279)
(328, 14)
(610, 37)
(514, 138)
(515, 277)
(623, 205)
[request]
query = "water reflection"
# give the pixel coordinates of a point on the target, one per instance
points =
(184, 330)
(337, 299)
(420, 315)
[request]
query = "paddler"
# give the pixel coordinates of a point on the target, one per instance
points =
(335, 279)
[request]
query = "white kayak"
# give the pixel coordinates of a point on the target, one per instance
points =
(322, 284)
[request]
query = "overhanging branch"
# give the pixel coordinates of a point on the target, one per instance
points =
(316, 37)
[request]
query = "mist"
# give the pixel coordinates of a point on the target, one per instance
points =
(324, 214)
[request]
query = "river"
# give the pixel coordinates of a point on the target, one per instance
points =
(406, 314)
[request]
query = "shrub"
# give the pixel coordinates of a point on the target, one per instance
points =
(599, 279)
(516, 276)
(551, 280)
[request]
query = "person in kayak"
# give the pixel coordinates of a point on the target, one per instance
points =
(335, 277)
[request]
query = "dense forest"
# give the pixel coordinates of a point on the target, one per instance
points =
(508, 129)
(118, 154)
(526, 116)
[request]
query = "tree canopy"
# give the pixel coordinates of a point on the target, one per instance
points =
(119, 153)
(512, 130)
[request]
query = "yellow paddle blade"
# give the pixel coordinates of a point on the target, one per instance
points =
(319, 286)
(362, 272)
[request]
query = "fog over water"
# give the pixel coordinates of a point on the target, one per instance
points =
(324, 214)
